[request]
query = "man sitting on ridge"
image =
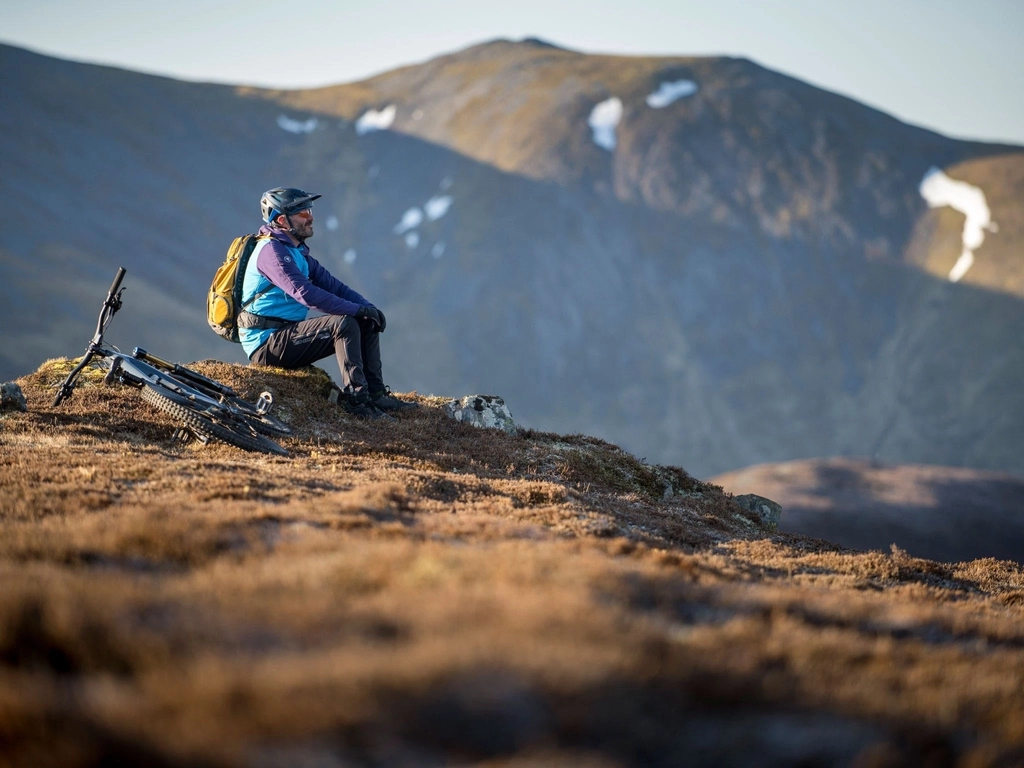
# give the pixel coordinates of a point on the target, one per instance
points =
(283, 282)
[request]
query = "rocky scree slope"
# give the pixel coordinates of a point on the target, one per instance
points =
(428, 593)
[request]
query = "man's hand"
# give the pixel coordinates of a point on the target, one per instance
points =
(383, 320)
(372, 316)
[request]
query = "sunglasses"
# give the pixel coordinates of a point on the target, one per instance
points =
(305, 213)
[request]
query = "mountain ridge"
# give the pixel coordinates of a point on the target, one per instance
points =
(388, 85)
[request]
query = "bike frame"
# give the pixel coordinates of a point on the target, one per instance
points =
(136, 373)
(209, 387)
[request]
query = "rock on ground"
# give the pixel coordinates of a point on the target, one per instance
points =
(482, 411)
(12, 398)
(768, 511)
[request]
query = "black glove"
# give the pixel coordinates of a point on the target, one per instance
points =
(370, 315)
(383, 320)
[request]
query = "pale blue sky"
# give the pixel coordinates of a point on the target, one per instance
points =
(956, 67)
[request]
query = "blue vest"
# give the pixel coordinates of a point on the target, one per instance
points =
(274, 303)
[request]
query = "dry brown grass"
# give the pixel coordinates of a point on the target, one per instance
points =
(425, 593)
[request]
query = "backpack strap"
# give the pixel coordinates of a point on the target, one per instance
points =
(258, 293)
(261, 322)
(256, 296)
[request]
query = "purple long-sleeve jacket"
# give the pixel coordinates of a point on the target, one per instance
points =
(321, 291)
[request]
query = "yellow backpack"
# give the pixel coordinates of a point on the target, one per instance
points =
(224, 302)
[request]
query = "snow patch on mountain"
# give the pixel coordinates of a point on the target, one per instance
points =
(349, 257)
(438, 250)
(332, 223)
(436, 207)
(296, 126)
(940, 190)
(669, 92)
(432, 210)
(374, 120)
(604, 118)
(411, 219)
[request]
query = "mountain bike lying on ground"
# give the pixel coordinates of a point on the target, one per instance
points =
(208, 409)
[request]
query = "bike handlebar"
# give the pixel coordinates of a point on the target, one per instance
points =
(110, 305)
(117, 281)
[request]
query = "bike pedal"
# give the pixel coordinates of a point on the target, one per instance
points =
(182, 435)
(265, 403)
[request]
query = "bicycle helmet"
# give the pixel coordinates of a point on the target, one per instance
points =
(286, 200)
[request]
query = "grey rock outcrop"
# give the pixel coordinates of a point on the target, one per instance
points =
(768, 511)
(482, 411)
(12, 398)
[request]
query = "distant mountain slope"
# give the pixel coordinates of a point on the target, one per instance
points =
(119, 168)
(745, 276)
(942, 513)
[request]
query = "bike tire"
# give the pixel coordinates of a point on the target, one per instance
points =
(232, 408)
(265, 424)
(198, 420)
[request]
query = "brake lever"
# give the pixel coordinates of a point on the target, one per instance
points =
(114, 302)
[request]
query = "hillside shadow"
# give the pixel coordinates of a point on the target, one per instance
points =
(950, 519)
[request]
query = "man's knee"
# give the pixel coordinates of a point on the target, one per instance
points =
(344, 327)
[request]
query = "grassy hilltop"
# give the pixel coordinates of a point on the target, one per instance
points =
(427, 593)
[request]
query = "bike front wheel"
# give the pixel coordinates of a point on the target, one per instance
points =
(263, 423)
(218, 426)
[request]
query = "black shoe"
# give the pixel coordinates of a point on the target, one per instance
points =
(363, 409)
(388, 402)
